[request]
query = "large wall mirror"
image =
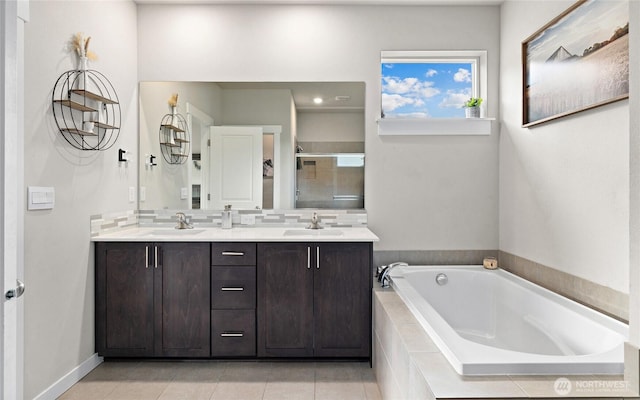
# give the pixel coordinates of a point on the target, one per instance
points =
(255, 145)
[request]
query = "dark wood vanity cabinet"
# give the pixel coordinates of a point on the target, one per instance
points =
(314, 299)
(200, 300)
(153, 299)
(233, 299)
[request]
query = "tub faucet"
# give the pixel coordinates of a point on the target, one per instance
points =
(182, 221)
(383, 274)
(315, 222)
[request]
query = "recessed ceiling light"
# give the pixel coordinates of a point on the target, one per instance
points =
(317, 100)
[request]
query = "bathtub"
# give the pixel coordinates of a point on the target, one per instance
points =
(491, 322)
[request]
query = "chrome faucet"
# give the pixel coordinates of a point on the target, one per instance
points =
(182, 221)
(383, 273)
(315, 222)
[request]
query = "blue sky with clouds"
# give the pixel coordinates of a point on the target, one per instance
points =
(425, 90)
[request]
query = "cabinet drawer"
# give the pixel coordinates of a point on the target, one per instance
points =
(233, 333)
(233, 287)
(233, 253)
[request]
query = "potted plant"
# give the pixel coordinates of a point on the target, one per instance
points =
(472, 107)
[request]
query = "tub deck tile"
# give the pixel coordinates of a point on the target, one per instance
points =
(445, 383)
(580, 386)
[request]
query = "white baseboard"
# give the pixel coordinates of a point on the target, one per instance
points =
(71, 378)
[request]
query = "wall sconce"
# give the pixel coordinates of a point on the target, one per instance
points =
(123, 155)
(150, 160)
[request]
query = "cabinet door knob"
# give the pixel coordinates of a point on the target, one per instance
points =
(308, 257)
(146, 257)
(318, 257)
(232, 289)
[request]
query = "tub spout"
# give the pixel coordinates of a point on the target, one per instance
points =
(383, 275)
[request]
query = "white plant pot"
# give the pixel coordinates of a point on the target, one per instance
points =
(472, 112)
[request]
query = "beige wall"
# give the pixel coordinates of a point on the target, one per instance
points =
(58, 305)
(564, 185)
(422, 193)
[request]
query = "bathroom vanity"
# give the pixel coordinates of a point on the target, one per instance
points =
(239, 293)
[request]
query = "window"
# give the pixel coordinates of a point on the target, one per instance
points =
(430, 84)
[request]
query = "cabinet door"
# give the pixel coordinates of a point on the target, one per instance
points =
(285, 300)
(342, 300)
(182, 300)
(124, 300)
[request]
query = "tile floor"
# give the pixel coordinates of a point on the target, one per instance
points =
(218, 380)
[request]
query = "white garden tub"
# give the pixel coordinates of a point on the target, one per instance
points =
(492, 322)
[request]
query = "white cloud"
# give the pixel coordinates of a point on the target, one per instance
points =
(455, 99)
(392, 101)
(401, 86)
(463, 75)
(409, 86)
(430, 73)
(429, 91)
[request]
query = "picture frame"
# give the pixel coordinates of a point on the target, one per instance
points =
(576, 62)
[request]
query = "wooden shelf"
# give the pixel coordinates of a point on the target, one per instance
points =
(169, 144)
(93, 96)
(79, 132)
(103, 125)
(173, 128)
(179, 140)
(74, 105)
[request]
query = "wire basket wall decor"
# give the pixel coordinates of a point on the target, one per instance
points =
(86, 109)
(174, 138)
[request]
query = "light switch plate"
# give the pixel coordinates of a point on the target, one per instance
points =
(184, 193)
(40, 198)
(132, 194)
(143, 193)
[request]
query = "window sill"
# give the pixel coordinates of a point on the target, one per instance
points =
(435, 126)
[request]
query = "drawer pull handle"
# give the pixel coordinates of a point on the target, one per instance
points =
(232, 334)
(233, 253)
(232, 289)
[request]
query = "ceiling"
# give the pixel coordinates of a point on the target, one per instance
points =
(304, 92)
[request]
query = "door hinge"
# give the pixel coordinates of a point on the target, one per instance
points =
(208, 142)
(208, 196)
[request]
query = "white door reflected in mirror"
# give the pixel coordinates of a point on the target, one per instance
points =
(236, 158)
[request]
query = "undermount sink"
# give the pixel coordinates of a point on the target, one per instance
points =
(174, 232)
(312, 232)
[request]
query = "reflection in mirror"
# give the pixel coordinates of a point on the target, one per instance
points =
(288, 129)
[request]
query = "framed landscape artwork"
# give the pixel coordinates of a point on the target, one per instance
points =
(578, 61)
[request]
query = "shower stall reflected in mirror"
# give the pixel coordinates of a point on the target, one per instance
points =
(332, 180)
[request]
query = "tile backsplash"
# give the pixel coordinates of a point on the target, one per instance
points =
(113, 221)
(108, 222)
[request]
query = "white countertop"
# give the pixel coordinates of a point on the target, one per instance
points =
(240, 234)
